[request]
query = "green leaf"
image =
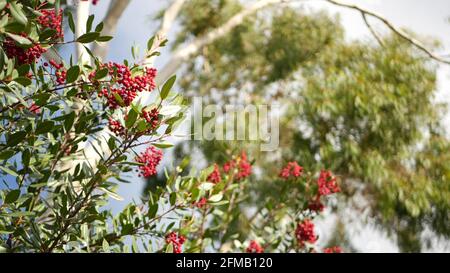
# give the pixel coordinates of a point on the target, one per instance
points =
(17, 214)
(89, 22)
(72, 74)
(141, 126)
(163, 145)
(119, 99)
(9, 171)
(169, 248)
(131, 118)
(6, 155)
(88, 37)
(68, 122)
(16, 138)
(150, 43)
(105, 245)
(12, 196)
(216, 197)
(153, 209)
(47, 34)
(45, 127)
(100, 74)
(167, 86)
(173, 198)
(104, 38)
(2, 4)
(71, 22)
(99, 27)
(24, 81)
(21, 40)
(17, 13)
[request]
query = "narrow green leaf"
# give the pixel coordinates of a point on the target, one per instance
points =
(131, 118)
(99, 27)
(173, 198)
(104, 38)
(167, 86)
(89, 22)
(21, 40)
(8, 171)
(71, 22)
(17, 13)
(68, 122)
(163, 145)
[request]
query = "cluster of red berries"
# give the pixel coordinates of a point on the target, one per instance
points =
(214, 176)
(327, 183)
(201, 203)
(127, 86)
(254, 247)
(241, 164)
(53, 20)
(150, 159)
(176, 240)
(60, 72)
(116, 127)
(333, 249)
(23, 55)
(291, 169)
(316, 205)
(152, 118)
(305, 232)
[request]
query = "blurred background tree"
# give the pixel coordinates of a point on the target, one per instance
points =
(365, 110)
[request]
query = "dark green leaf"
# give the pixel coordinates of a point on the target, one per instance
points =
(99, 27)
(88, 37)
(131, 118)
(12, 196)
(24, 81)
(104, 38)
(173, 198)
(72, 74)
(100, 74)
(89, 22)
(71, 22)
(47, 34)
(16, 138)
(45, 127)
(68, 122)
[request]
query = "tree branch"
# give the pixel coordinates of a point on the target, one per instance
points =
(115, 11)
(395, 29)
(374, 33)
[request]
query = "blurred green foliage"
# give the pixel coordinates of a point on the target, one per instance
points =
(364, 110)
